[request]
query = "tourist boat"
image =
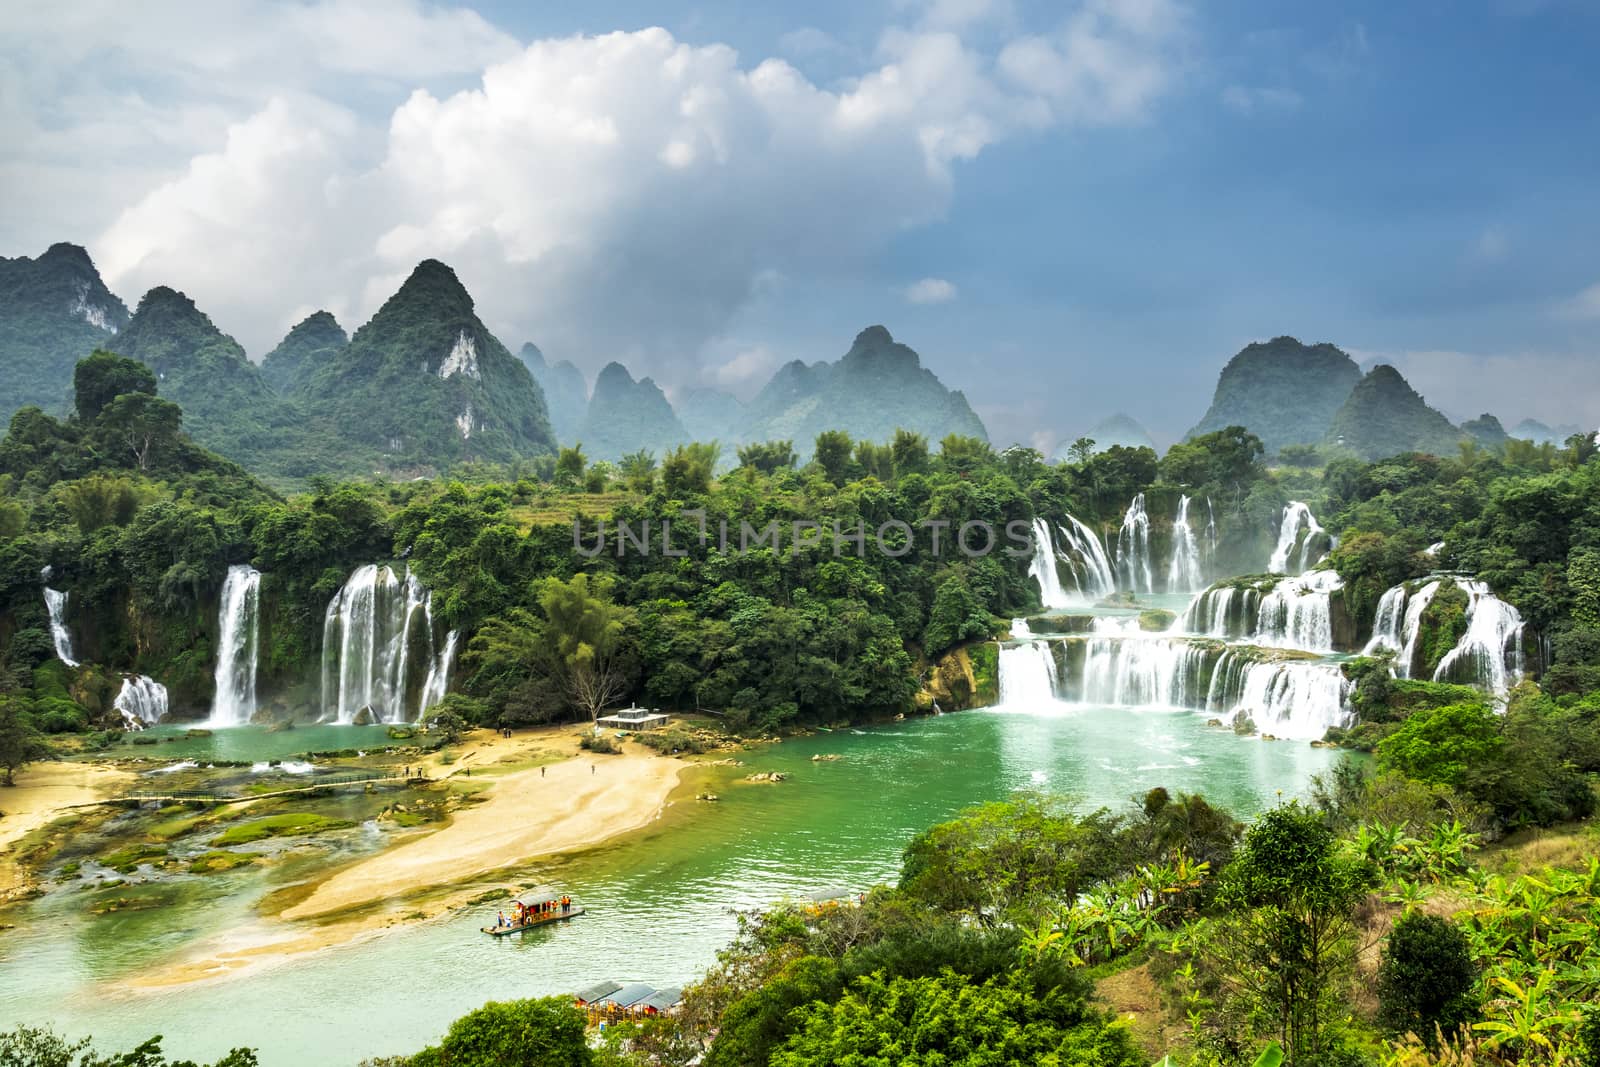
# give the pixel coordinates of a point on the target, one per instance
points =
(532, 917)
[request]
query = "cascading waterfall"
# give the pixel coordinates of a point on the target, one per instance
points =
(1388, 622)
(55, 603)
(1129, 671)
(1301, 541)
(1211, 536)
(1298, 613)
(380, 654)
(1091, 569)
(1020, 630)
(1489, 654)
(1043, 568)
(1027, 676)
(1223, 611)
(1298, 699)
(1133, 549)
(238, 647)
(142, 701)
(1184, 572)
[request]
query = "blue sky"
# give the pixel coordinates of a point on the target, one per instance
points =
(1118, 194)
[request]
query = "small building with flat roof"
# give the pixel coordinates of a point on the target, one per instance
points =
(598, 991)
(635, 719)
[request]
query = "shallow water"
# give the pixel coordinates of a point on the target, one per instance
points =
(659, 902)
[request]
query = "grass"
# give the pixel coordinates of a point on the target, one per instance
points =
(558, 509)
(290, 824)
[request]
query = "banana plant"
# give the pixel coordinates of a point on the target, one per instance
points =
(1531, 1024)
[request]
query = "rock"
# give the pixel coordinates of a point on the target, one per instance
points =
(1213, 722)
(766, 776)
(1268, 737)
(829, 758)
(708, 797)
(365, 717)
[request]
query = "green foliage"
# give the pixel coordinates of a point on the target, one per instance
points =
(687, 469)
(20, 743)
(1441, 746)
(28, 1046)
(57, 310)
(957, 616)
(547, 1032)
(105, 376)
(1384, 416)
(768, 457)
(946, 1020)
(1427, 982)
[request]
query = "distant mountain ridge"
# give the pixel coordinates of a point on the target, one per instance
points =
(54, 310)
(1383, 416)
(566, 394)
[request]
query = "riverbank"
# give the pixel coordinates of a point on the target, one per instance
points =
(538, 797)
(43, 793)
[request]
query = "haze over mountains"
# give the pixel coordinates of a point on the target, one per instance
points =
(424, 386)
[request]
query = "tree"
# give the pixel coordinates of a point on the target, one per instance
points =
(104, 376)
(910, 452)
(20, 743)
(569, 465)
(957, 615)
(639, 470)
(689, 468)
(1081, 449)
(548, 1032)
(1289, 942)
(1427, 982)
(588, 636)
(140, 427)
(1444, 745)
(28, 1046)
(767, 456)
(832, 453)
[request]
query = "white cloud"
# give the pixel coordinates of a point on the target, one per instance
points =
(745, 369)
(930, 291)
(1586, 305)
(1247, 100)
(615, 196)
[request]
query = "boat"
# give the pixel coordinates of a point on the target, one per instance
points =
(528, 903)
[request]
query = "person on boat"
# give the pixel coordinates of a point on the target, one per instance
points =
(502, 920)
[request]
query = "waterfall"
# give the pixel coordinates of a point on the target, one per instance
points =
(1091, 570)
(1387, 624)
(1411, 628)
(1298, 612)
(55, 603)
(1043, 567)
(1127, 671)
(142, 702)
(1299, 536)
(1489, 654)
(377, 639)
(1133, 549)
(1211, 535)
(1184, 571)
(1027, 676)
(1020, 630)
(1223, 611)
(1298, 699)
(238, 647)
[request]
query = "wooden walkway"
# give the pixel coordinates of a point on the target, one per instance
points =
(200, 796)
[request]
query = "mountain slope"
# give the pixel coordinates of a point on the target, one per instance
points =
(228, 406)
(1486, 430)
(1282, 391)
(712, 415)
(427, 386)
(1384, 416)
(879, 386)
(566, 394)
(314, 341)
(1118, 431)
(626, 415)
(54, 310)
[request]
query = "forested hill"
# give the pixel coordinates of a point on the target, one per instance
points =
(427, 386)
(1384, 416)
(54, 310)
(1282, 391)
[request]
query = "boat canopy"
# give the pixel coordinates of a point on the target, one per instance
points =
(663, 999)
(629, 995)
(598, 991)
(822, 896)
(538, 895)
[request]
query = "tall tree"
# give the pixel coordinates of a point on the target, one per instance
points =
(588, 635)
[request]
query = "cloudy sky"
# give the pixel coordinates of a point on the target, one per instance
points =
(1069, 208)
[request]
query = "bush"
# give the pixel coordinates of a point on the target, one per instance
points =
(671, 739)
(604, 743)
(520, 1033)
(1427, 981)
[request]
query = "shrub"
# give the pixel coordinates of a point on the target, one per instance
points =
(600, 743)
(1427, 981)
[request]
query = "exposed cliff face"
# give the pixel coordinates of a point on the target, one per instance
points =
(1284, 392)
(566, 394)
(426, 385)
(54, 310)
(1384, 416)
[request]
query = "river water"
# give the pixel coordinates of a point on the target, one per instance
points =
(660, 902)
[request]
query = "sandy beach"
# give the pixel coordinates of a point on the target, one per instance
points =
(528, 814)
(41, 792)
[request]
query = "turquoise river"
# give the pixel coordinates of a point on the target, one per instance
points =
(661, 901)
